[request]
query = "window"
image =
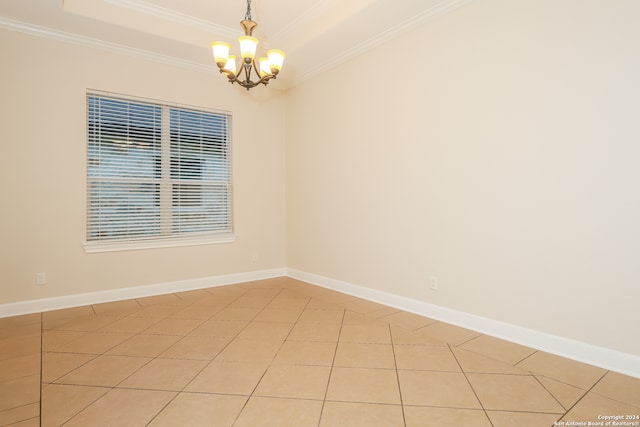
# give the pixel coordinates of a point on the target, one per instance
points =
(157, 175)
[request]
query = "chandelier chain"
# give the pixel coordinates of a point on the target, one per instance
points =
(247, 15)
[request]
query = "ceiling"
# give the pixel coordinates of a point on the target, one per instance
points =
(315, 34)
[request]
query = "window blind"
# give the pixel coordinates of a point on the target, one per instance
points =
(156, 171)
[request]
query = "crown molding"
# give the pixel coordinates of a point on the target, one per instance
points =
(300, 22)
(432, 13)
(61, 36)
(175, 16)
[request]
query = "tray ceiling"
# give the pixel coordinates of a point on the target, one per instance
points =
(316, 34)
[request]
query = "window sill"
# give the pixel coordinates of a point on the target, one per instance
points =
(171, 242)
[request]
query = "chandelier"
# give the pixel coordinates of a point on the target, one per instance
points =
(267, 68)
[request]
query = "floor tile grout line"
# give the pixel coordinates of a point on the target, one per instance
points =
(547, 390)
(95, 356)
(470, 385)
(117, 318)
(467, 341)
(41, 352)
(177, 393)
(333, 361)
(395, 363)
(571, 385)
(272, 359)
(365, 402)
(583, 396)
(470, 340)
(267, 368)
(515, 411)
(504, 374)
(197, 373)
(228, 343)
(525, 358)
(22, 420)
(151, 359)
(75, 414)
(492, 358)
(41, 370)
(105, 353)
(423, 327)
(616, 400)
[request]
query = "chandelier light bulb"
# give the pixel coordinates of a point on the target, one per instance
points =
(276, 59)
(265, 67)
(248, 47)
(231, 64)
(220, 52)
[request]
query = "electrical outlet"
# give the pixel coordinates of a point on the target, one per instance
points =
(41, 279)
(433, 283)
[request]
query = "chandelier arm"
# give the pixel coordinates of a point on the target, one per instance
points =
(264, 79)
(230, 75)
(255, 67)
(247, 84)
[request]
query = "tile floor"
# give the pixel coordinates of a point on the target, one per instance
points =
(280, 352)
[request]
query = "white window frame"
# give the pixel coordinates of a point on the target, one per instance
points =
(166, 237)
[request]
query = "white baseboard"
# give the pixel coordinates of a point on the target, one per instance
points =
(613, 360)
(68, 301)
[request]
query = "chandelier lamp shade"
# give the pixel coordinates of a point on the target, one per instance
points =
(250, 73)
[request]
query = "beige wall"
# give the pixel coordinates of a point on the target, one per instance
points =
(501, 157)
(496, 148)
(42, 168)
